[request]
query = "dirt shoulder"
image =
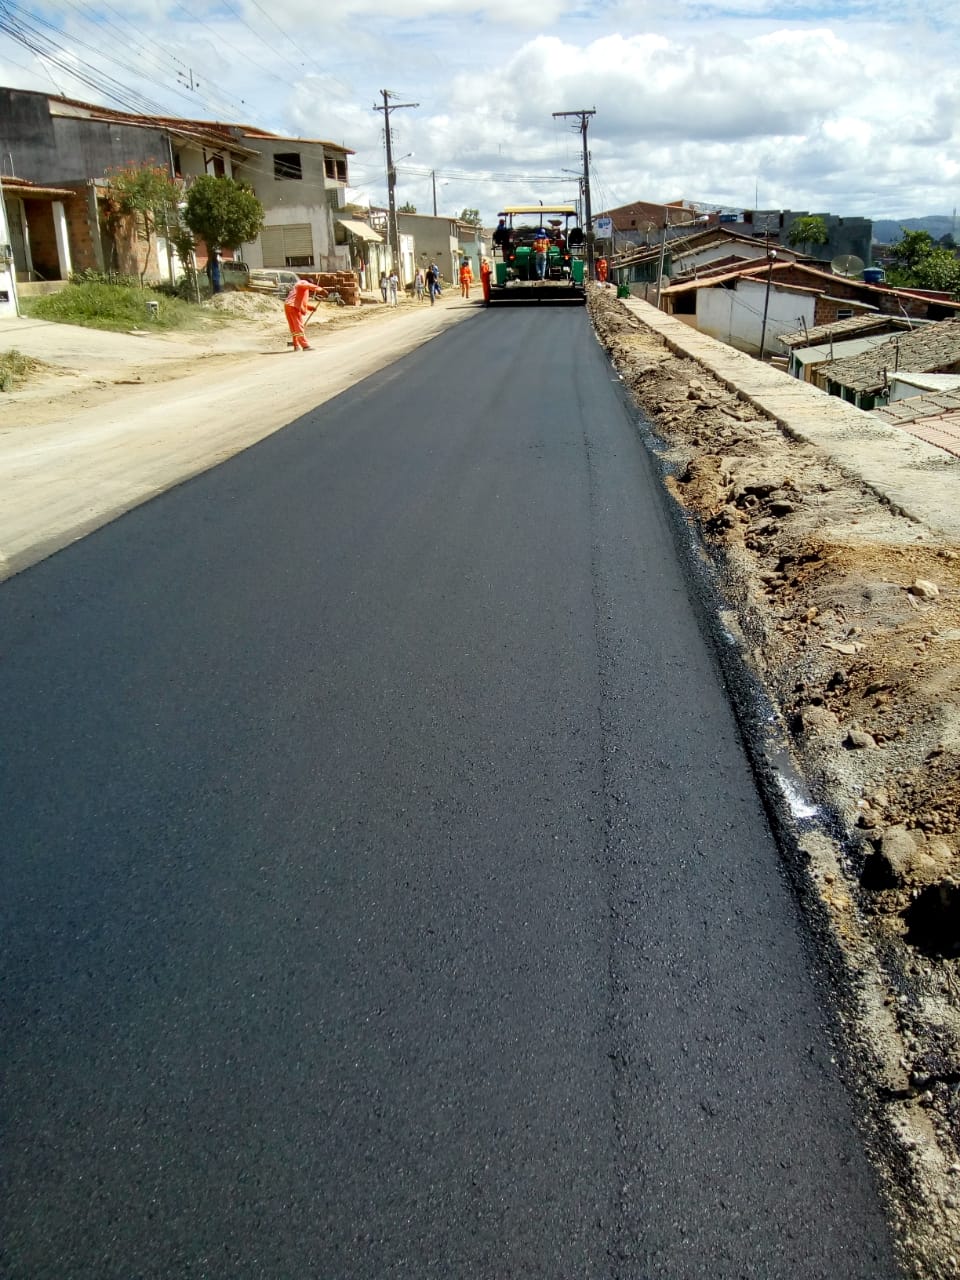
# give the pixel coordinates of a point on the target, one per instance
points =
(105, 420)
(847, 613)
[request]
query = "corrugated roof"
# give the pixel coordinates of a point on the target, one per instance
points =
(251, 131)
(934, 348)
(23, 188)
(822, 353)
(361, 229)
(853, 324)
(928, 381)
(221, 133)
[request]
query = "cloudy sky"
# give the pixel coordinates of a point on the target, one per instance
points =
(846, 106)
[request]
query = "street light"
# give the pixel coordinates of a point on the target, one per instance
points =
(771, 258)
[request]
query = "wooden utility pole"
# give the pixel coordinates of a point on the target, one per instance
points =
(393, 231)
(584, 118)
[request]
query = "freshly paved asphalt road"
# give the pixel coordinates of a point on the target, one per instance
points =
(384, 889)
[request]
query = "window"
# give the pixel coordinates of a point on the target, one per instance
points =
(219, 168)
(288, 246)
(335, 167)
(844, 313)
(286, 166)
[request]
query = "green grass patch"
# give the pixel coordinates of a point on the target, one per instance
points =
(16, 368)
(120, 307)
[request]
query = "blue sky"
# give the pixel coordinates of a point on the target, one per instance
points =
(852, 108)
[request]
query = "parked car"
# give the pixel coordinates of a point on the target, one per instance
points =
(272, 280)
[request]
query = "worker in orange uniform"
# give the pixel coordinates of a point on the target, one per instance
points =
(602, 270)
(296, 306)
(486, 271)
(466, 278)
(541, 247)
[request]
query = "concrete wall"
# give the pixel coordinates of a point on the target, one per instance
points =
(435, 239)
(54, 150)
(735, 316)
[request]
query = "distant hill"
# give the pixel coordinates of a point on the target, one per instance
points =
(888, 230)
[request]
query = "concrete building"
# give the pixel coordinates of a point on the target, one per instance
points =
(847, 236)
(57, 143)
(729, 305)
(641, 222)
(432, 239)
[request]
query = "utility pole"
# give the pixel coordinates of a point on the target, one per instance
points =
(771, 258)
(393, 233)
(663, 254)
(584, 118)
(433, 176)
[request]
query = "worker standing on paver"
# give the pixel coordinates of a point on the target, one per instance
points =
(296, 306)
(541, 246)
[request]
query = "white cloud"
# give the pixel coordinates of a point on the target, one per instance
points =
(854, 113)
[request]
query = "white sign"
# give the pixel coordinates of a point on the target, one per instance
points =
(603, 226)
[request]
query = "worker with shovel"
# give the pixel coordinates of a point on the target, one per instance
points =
(296, 306)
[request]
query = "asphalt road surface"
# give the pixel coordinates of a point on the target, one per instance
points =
(385, 892)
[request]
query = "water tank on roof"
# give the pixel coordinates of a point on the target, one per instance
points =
(874, 275)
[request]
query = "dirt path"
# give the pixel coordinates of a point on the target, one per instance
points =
(108, 420)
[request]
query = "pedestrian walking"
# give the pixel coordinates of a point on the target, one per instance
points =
(431, 279)
(295, 306)
(419, 284)
(393, 284)
(383, 285)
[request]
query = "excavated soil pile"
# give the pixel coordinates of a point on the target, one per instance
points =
(850, 615)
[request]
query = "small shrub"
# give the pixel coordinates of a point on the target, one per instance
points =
(110, 306)
(105, 277)
(15, 368)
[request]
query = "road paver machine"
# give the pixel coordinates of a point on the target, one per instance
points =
(538, 255)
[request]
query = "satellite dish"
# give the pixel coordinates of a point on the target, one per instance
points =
(846, 264)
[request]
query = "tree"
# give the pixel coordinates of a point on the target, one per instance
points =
(907, 253)
(222, 213)
(470, 215)
(918, 262)
(147, 195)
(807, 231)
(407, 208)
(939, 269)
